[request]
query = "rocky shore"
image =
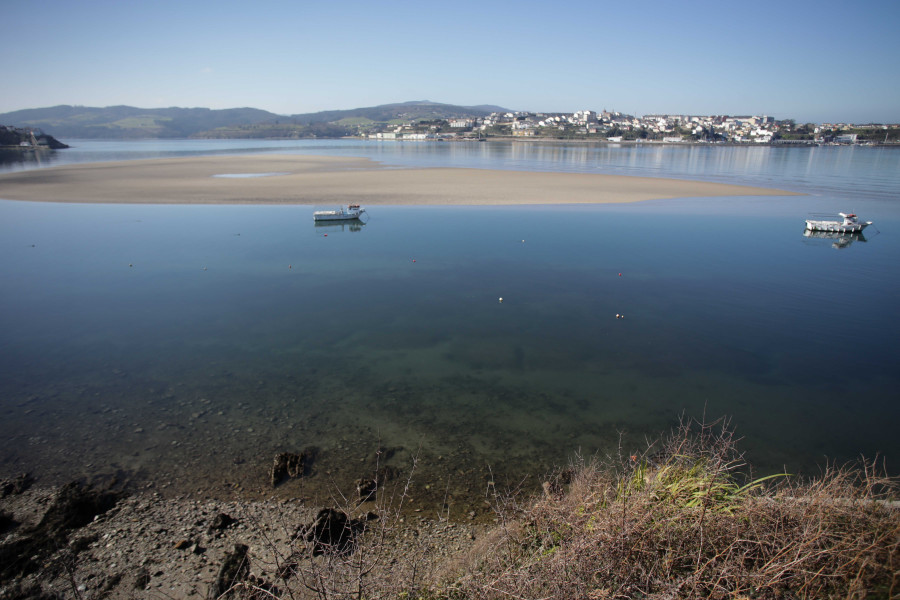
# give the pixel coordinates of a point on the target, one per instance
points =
(27, 139)
(99, 541)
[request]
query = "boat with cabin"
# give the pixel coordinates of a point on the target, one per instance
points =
(850, 224)
(352, 211)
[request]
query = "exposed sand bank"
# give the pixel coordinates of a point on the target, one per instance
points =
(290, 179)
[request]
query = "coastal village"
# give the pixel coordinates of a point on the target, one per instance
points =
(428, 121)
(619, 127)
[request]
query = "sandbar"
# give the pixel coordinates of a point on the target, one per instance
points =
(326, 180)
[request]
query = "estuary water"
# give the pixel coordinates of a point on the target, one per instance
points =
(183, 346)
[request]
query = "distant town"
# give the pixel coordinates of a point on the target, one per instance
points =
(424, 120)
(620, 127)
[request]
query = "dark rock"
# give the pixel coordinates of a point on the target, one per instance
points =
(108, 584)
(366, 489)
(235, 569)
(220, 522)
(82, 543)
(20, 591)
(15, 485)
(334, 532)
(75, 505)
(141, 579)
(262, 589)
(288, 568)
(7, 521)
(288, 465)
(387, 473)
(385, 454)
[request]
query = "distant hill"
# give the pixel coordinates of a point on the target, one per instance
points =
(128, 122)
(404, 111)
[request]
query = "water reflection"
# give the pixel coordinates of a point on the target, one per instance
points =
(839, 240)
(28, 158)
(351, 225)
(819, 171)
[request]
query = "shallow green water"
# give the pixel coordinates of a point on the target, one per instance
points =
(185, 345)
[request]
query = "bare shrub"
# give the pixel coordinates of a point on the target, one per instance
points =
(350, 550)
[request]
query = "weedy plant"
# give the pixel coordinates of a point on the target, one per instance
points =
(685, 521)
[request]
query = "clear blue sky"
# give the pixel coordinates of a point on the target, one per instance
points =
(808, 60)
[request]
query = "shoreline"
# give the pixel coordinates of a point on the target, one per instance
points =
(97, 540)
(316, 180)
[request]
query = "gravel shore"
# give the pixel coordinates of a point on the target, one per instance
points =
(147, 546)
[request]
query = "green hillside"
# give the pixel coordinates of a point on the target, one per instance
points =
(405, 111)
(128, 122)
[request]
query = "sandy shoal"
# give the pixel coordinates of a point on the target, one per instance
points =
(320, 180)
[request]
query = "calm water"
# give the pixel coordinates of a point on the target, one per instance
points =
(185, 345)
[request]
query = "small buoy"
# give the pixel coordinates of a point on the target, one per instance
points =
(523, 241)
(326, 235)
(501, 300)
(620, 274)
(204, 268)
(290, 266)
(618, 315)
(130, 265)
(414, 260)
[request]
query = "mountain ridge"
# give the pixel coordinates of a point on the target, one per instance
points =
(129, 122)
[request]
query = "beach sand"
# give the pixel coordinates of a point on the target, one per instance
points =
(322, 180)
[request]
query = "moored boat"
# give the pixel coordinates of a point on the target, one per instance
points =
(850, 224)
(353, 211)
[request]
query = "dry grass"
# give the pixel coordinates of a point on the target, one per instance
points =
(681, 520)
(685, 523)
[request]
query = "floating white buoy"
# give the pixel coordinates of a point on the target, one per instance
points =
(501, 300)
(523, 241)
(618, 316)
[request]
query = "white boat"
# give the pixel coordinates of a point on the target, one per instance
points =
(850, 224)
(342, 214)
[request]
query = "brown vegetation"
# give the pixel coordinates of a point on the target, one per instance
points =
(680, 521)
(683, 519)
(685, 523)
